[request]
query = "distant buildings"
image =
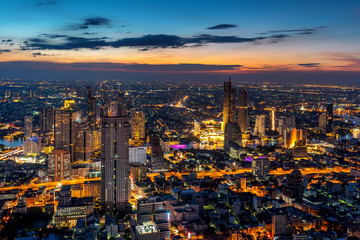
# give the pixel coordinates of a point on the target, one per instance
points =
(28, 125)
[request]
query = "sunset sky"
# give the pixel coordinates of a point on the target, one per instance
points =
(133, 38)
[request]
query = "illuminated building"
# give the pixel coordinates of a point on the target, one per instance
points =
(295, 137)
(65, 128)
(210, 134)
(243, 110)
(70, 209)
(95, 140)
(272, 120)
(232, 135)
(137, 155)
(138, 172)
(329, 118)
(260, 125)
(146, 231)
(282, 125)
(114, 162)
(32, 146)
(137, 122)
(28, 124)
(59, 165)
(92, 189)
(260, 167)
(46, 120)
(82, 142)
(197, 127)
(91, 108)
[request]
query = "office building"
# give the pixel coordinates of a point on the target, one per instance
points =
(32, 146)
(322, 122)
(281, 224)
(28, 125)
(260, 125)
(137, 155)
(260, 167)
(59, 165)
(114, 162)
(157, 155)
(229, 105)
(243, 110)
(294, 187)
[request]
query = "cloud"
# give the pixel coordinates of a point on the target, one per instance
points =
(41, 54)
(96, 21)
(303, 31)
(222, 26)
(6, 40)
(309, 65)
(4, 51)
(143, 43)
(43, 3)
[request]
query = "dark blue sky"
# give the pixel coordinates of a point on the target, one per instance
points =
(166, 37)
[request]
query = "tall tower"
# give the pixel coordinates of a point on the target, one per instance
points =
(329, 118)
(243, 110)
(272, 120)
(91, 108)
(114, 162)
(232, 135)
(28, 124)
(227, 103)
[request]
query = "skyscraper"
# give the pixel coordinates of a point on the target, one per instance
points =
(137, 122)
(260, 125)
(329, 118)
(28, 124)
(59, 165)
(114, 162)
(82, 142)
(157, 154)
(46, 121)
(227, 103)
(243, 110)
(91, 108)
(295, 137)
(65, 128)
(294, 187)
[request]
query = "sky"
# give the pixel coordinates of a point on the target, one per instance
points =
(260, 40)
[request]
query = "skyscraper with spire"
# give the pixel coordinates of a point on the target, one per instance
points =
(229, 107)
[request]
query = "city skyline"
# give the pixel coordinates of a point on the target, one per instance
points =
(303, 42)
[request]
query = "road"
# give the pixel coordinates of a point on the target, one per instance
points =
(14, 152)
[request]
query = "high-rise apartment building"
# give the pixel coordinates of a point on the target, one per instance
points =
(82, 145)
(59, 165)
(322, 122)
(243, 110)
(46, 121)
(65, 127)
(28, 125)
(260, 125)
(114, 162)
(227, 103)
(260, 167)
(137, 122)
